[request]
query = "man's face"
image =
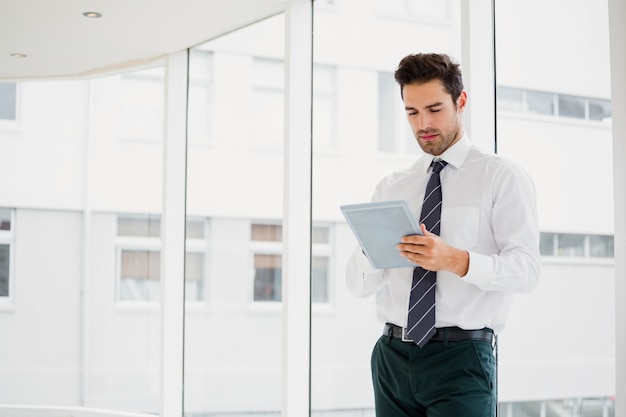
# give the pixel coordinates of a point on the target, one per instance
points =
(434, 118)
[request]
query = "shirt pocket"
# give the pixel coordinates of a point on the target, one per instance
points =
(459, 226)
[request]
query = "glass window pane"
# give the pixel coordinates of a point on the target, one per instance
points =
(8, 101)
(194, 267)
(194, 276)
(319, 279)
(267, 277)
(5, 251)
(140, 274)
(601, 246)
(320, 234)
(267, 232)
(509, 98)
(72, 255)
(560, 62)
(540, 102)
(237, 183)
(195, 229)
(5, 219)
(571, 245)
(571, 106)
(599, 110)
(546, 244)
(139, 227)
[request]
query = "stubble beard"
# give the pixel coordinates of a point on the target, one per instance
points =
(445, 139)
(438, 146)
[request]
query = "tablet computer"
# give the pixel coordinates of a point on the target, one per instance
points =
(379, 227)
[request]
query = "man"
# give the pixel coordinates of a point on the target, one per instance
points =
(485, 251)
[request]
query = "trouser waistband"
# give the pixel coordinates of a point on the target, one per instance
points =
(443, 334)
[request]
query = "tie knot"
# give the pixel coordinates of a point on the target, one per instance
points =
(438, 165)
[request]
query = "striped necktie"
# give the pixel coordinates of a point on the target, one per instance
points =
(421, 318)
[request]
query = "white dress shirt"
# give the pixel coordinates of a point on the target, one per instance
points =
(489, 210)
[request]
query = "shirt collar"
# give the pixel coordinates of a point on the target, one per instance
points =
(455, 155)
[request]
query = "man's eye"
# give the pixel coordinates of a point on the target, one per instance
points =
(435, 110)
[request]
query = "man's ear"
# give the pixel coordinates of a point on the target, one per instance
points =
(461, 101)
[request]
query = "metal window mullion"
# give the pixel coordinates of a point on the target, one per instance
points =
(296, 312)
(478, 61)
(173, 224)
(617, 38)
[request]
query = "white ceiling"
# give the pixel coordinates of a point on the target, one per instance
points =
(59, 41)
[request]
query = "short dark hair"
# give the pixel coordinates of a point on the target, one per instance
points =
(422, 68)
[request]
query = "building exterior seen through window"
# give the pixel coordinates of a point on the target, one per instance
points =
(139, 259)
(553, 104)
(233, 260)
(568, 245)
(266, 243)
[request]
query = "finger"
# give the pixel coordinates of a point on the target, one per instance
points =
(410, 239)
(424, 231)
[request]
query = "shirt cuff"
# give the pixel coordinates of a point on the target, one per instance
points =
(480, 269)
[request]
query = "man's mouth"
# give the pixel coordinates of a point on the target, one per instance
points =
(429, 136)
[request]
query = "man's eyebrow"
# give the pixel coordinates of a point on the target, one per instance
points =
(430, 106)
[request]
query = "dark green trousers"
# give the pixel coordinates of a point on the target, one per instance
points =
(442, 379)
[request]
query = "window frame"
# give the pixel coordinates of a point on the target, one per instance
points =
(154, 244)
(132, 243)
(522, 106)
(586, 256)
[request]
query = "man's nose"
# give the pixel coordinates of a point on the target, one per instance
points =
(423, 121)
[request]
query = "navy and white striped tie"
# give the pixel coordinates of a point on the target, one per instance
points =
(421, 318)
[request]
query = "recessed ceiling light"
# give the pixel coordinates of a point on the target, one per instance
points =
(18, 55)
(92, 14)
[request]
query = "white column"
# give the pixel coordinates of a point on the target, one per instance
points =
(173, 236)
(617, 36)
(477, 63)
(297, 209)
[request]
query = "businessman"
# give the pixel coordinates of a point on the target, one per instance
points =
(480, 246)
